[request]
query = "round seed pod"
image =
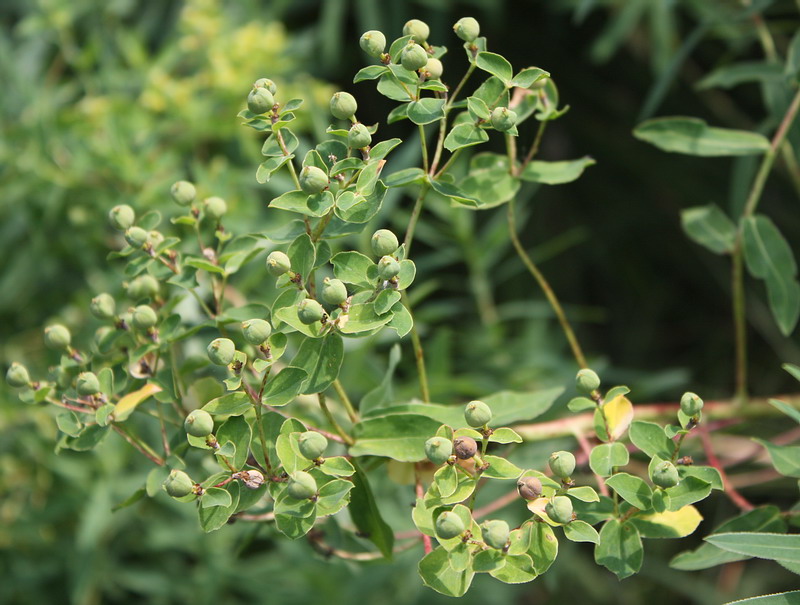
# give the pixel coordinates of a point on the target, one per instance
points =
(178, 484)
(562, 464)
(144, 317)
(144, 286)
(278, 263)
(199, 423)
(256, 331)
(260, 100)
(388, 267)
(334, 292)
(312, 444)
(467, 28)
(221, 351)
(358, 137)
(384, 242)
(477, 414)
(587, 381)
(57, 337)
(17, 376)
(216, 207)
(559, 509)
(413, 57)
(502, 118)
(301, 485)
(136, 236)
(434, 68)
(529, 488)
(155, 238)
(103, 306)
(664, 474)
(309, 311)
(691, 404)
(373, 43)
(313, 180)
(438, 450)
(87, 384)
(183, 192)
(252, 479)
(449, 525)
(465, 447)
(418, 29)
(495, 533)
(266, 83)
(343, 105)
(121, 217)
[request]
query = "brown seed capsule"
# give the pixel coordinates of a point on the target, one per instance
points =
(465, 447)
(529, 488)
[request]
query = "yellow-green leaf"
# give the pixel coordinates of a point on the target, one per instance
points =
(619, 415)
(669, 524)
(128, 403)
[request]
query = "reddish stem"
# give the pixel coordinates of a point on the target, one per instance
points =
(730, 490)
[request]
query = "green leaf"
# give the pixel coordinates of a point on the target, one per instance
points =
(740, 73)
(69, 423)
(337, 466)
(384, 392)
(366, 515)
(688, 491)
(407, 176)
(543, 545)
(231, 404)
(362, 318)
(776, 547)
(710, 227)
(781, 598)
(488, 560)
(399, 436)
(631, 489)
(584, 493)
(517, 570)
(769, 257)
(464, 135)
(505, 435)
(371, 72)
(385, 301)
(382, 149)
(669, 524)
(528, 76)
(446, 480)
(619, 549)
(333, 497)
(214, 517)
(606, 456)
(694, 137)
(298, 201)
(555, 173)
(787, 409)
(785, 458)
(302, 255)
(237, 431)
(495, 65)
(215, 496)
(426, 110)
(443, 414)
(401, 321)
(284, 387)
(321, 359)
(705, 473)
(269, 166)
(355, 268)
(580, 404)
(478, 109)
(580, 531)
(500, 468)
(436, 573)
(489, 181)
(650, 438)
(512, 406)
(358, 208)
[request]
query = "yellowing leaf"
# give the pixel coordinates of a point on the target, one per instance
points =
(669, 524)
(128, 403)
(619, 415)
(537, 508)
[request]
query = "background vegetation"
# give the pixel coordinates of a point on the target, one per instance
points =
(109, 102)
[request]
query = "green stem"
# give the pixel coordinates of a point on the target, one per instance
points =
(412, 222)
(419, 353)
(337, 427)
(139, 445)
(461, 84)
(545, 286)
(449, 162)
(348, 405)
(261, 436)
(289, 163)
(534, 148)
(424, 144)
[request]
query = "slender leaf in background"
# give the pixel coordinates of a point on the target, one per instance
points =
(693, 136)
(710, 227)
(784, 547)
(782, 598)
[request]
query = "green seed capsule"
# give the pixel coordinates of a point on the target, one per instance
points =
(587, 381)
(358, 137)
(691, 404)
(144, 286)
(438, 450)
(418, 29)
(503, 118)
(495, 533)
(343, 105)
(384, 242)
(266, 83)
(215, 206)
(373, 43)
(199, 423)
(221, 351)
(334, 292)
(183, 192)
(103, 306)
(449, 525)
(87, 384)
(312, 444)
(155, 239)
(313, 180)
(562, 464)
(465, 447)
(57, 337)
(477, 414)
(559, 509)
(178, 484)
(433, 68)
(256, 331)
(413, 57)
(467, 29)
(121, 217)
(664, 474)
(309, 311)
(278, 263)
(144, 317)
(17, 376)
(260, 100)
(301, 485)
(529, 488)
(388, 267)
(136, 237)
